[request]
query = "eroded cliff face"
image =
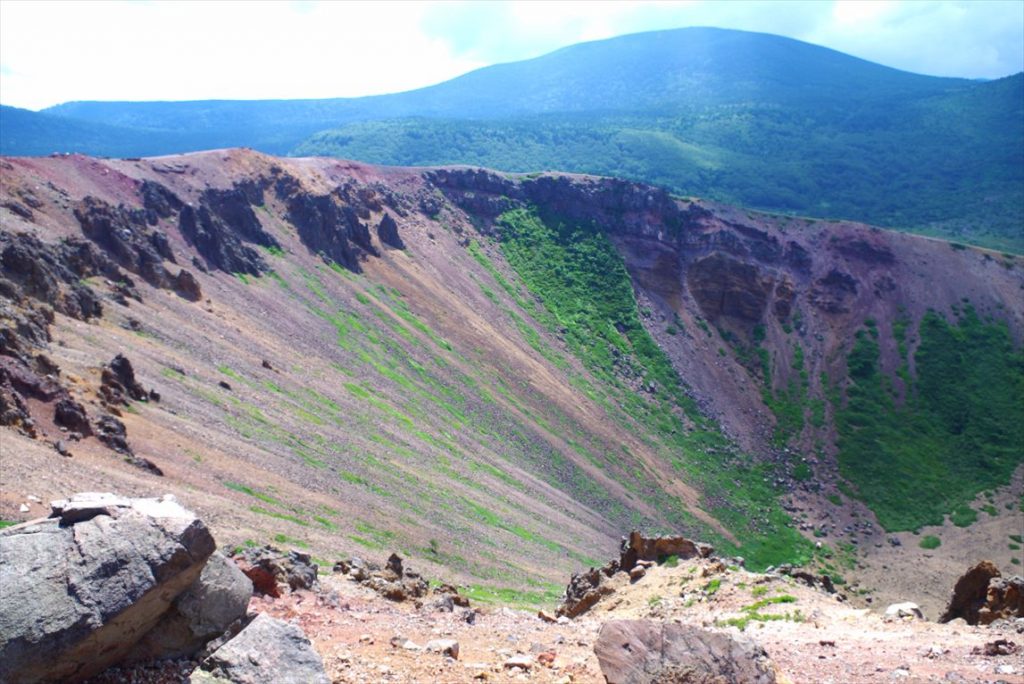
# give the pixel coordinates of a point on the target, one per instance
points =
(735, 293)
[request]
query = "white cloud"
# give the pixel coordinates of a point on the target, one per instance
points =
(52, 52)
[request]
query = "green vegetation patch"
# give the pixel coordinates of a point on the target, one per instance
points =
(930, 541)
(958, 433)
(586, 293)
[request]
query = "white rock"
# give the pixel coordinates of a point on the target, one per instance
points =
(904, 610)
(524, 662)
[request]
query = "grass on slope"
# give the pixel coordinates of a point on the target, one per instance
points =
(960, 431)
(582, 281)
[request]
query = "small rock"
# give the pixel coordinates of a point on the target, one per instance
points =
(637, 573)
(365, 639)
(224, 385)
(410, 645)
(523, 662)
(547, 658)
(906, 609)
(546, 616)
(448, 647)
(999, 647)
(1006, 669)
(23, 508)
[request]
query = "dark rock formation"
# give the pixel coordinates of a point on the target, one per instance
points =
(186, 285)
(330, 225)
(637, 547)
(158, 201)
(113, 433)
(387, 232)
(831, 292)
(70, 414)
(223, 225)
(585, 589)
(100, 573)
(119, 383)
(267, 650)
(52, 273)
(124, 234)
(864, 249)
(647, 652)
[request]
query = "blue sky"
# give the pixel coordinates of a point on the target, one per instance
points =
(52, 52)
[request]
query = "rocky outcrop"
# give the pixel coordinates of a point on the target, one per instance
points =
(186, 285)
(832, 292)
(158, 201)
(114, 435)
(271, 570)
(982, 596)
(396, 582)
(82, 587)
(70, 414)
(637, 547)
(585, 589)
(224, 226)
(969, 593)
(330, 225)
(125, 235)
(52, 273)
(387, 232)
(118, 383)
(22, 379)
(267, 650)
(646, 652)
(726, 287)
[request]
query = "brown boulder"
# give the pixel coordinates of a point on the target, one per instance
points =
(970, 592)
(646, 652)
(1003, 600)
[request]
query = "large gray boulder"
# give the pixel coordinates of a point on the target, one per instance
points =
(204, 611)
(647, 651)
(267, 650)
(78, 590)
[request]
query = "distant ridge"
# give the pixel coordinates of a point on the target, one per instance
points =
(756, 119)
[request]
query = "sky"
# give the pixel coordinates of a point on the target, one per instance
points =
(53, 51)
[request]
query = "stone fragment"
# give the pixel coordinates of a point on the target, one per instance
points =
(448, 647)
(646, 651)
(267, 650)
